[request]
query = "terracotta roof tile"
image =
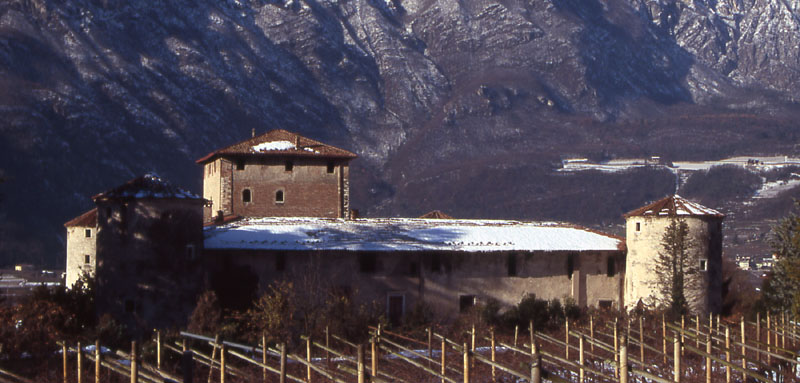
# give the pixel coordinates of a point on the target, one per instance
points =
(436, 214)
(147, 186)
(279, 142)
(673, 206)
(84, 220)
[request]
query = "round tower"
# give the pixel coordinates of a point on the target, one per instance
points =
(645, 231)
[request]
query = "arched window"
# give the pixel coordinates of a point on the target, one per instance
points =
(279, 196)
(246, 196)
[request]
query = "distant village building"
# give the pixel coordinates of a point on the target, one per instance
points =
(276, 207)
(645, 229)
(20, 282)
(277, 174)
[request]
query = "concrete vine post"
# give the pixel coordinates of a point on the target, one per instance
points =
(727, 354)
(623, 360)
(283, 363)
(708, 356)
(222, 363)
(97, 363)
(591, 332)
(566, 340)
(466, 363)
(744, 349)
(582, 372)
(64, 361)
(444, 358)
(536, 362)
(158, 349)
(134, 363)
(308, 359)
(361, 377)
(264, 356)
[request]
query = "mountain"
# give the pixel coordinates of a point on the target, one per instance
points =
(463, 106)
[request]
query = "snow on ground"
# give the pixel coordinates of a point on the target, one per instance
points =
(404, 234)
(772, 189)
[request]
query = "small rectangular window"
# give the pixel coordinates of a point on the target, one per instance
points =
(331, 167)
(605, 304)
(280, 262)
(638, 226)
(88, 233)
(87, 259)
(611, 266)
(465, 302)
(240, 165)
(289, 166)
(511, 265)
(703, 265)
(367, 263)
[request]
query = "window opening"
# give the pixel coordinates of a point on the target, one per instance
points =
(289, 166)
(605, 304)
(279, 196)
(240, 165)
(611, 266)
(570, 265)
(465, 302)
(331, 167)
(638, 226)
(87, 259)
(367, 263)
(247, 196)
(703, 265)
(511, 265)
(88, 233)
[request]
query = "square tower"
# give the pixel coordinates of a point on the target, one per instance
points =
(277, 174)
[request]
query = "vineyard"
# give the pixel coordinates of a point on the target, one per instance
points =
(645, 348)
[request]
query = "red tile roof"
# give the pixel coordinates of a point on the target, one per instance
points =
(674, 206)
(147, 186)
(279, 142)
(88, 219)
(436, 214)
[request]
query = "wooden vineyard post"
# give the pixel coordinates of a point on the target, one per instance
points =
(79, 358)
(581, 360)
(222, 363)
(308, 359)
(516, 334)
(536, 362)
(64, 361)
(719, 324)
(327, 347)
(710, 325)
(758, 334)
(591, 331)
(213, 356)
(374, 353)
(430, 343)
(183, 345)
(727, 354)
(444, 353)
(664, 336)
(466, 363)
(96, 361)
(744, 350)
(697, 323)
(494, 359)
(283, 363)
(134, 364)
(783, 329)
(676, 354)
(361, 377)
(616, 348)
(472, 343)
(623, 360)
(641, 340)
(158, 349)
(769, 340)
(264, 356)
(683, 332)
(708, 356)
(566, 340)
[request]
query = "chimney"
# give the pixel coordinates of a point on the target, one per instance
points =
(253, 133)
(220, 217)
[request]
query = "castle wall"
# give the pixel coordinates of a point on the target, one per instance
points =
(308, 189)
(81, 253)
(441, 279)
(644, 246)
(148, 269)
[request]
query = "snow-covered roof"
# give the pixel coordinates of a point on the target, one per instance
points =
(405, 234)
(675, 205)
(147, 186)
(279, 142)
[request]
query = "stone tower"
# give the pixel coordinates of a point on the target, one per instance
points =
(645, 228)
(277, 174)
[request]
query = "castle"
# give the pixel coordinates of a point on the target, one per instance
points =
(277, 207)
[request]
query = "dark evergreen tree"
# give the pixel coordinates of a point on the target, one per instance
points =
(676, 268)
(781, 289)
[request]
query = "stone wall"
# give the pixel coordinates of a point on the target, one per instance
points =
(441, 278)
(81, 253)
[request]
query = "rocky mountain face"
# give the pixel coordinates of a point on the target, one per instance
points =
(464, 106)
